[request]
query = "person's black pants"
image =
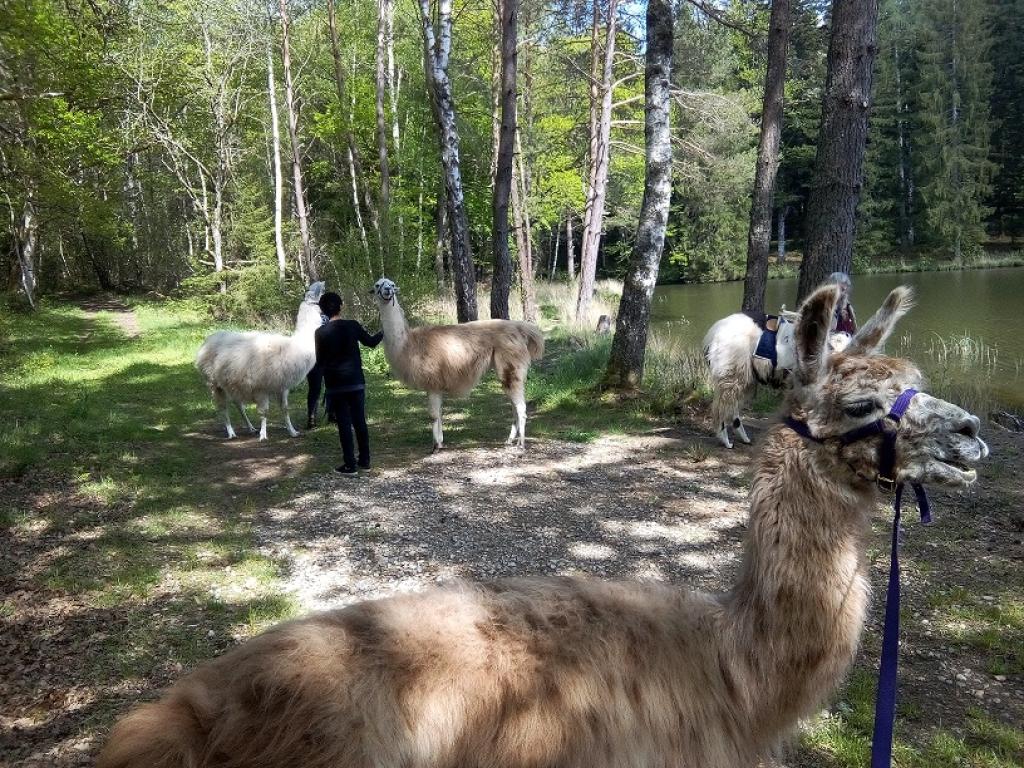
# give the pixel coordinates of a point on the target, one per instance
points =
(315, 380)
(350, 412)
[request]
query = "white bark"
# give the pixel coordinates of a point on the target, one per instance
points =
(601, 122)
(437, 49)
(278, 175)
(306, 266)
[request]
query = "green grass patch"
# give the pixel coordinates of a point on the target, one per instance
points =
(842, 739)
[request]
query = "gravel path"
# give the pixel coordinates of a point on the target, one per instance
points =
(635, 507)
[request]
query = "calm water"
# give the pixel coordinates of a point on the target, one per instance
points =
(985, 305)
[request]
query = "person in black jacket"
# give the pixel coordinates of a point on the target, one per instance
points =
(337, 355)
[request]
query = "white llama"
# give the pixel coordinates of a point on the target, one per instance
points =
(451, 359)
(255, 366)
(730, 346)
(581, 673)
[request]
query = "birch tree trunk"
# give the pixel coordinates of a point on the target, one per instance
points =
(384, 203)
(279, 180)
(839, 163)
(308, 268)
(345, 134)
(570, 261)
(524, 244)
(780, 234)
(436, 54)
(501, 278)
(442, 233)
(629, 346)
(601, 124)
(26, 236)
(554, 251)
(760, 232)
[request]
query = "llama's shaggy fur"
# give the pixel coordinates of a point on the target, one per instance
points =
(255, 367)
(587, 674)
(729, 347)
(449, 360)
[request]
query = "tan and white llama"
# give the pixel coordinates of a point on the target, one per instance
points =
(446, 360)
(582, 673)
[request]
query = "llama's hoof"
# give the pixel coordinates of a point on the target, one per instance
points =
(294, 432)
(263, 437)
(437, 448)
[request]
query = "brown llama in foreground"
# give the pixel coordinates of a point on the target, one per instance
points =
(451, 359)
(587, 673)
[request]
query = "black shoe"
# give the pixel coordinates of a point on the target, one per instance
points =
(363, 465)
(346, 469)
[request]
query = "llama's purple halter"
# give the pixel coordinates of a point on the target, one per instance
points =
(885, 699)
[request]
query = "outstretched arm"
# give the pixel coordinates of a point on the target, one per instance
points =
(368, 340)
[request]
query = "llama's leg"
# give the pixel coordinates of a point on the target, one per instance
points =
(224, 405)
(287, 416)
(262, 406)
(513, 383)
(245, 415)
(718, 410)
(741, 432)
(434, 400)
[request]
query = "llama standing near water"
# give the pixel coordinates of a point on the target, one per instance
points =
(444, 360)
(734, 370)
(583, 673)
(254, 366)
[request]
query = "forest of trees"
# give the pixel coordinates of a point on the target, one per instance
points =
(233, 146)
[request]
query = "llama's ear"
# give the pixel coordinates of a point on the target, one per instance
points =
(812, 331)
(874, 332)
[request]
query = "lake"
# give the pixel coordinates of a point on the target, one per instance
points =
(967, 325)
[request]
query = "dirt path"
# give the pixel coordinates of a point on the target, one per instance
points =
(121, 314)
(631, 507)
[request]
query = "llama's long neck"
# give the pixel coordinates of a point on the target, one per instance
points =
(395, 327)
(306, 323)
(796, 613)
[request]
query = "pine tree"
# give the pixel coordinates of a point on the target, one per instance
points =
(954, 86)
(1008, 118)
(887, 203)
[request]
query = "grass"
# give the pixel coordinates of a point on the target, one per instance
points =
(842, 737)
(98, 443)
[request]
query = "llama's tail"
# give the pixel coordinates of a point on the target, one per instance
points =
(166, 734)
(534, 340)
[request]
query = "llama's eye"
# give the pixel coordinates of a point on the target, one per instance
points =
(860, 408)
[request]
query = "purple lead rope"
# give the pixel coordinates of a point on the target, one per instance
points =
(885, 700)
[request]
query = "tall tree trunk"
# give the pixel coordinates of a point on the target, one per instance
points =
(760, 233)
(278, 175)
(293, 137)
(524, 242)
(601, 125)
(780, 234)
(442, 233)
(26, 236)
(501, 278)
(570, 261)
(839, 163)
(384, 205)
(346, 134)
(554, 251)
(436, 54)
(629, 346)
(906, 177)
